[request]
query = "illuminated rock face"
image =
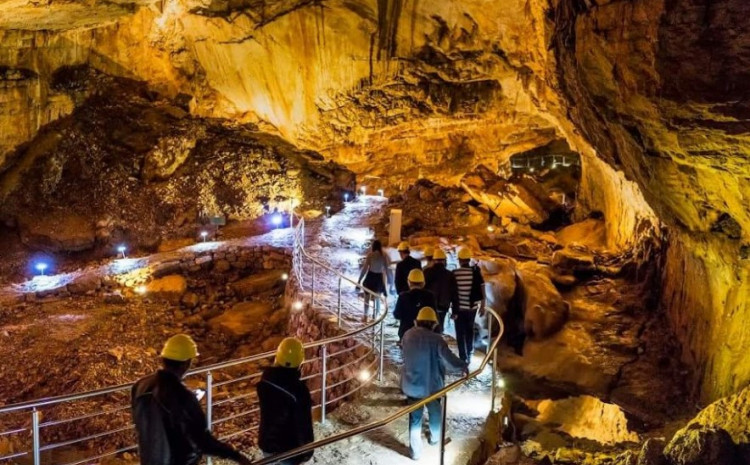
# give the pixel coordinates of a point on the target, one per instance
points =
(652, 94)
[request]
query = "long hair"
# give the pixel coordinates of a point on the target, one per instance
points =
(377, 246)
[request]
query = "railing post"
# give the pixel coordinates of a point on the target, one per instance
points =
(494, 368)
(382, 352)
(312, 285)
(444, 408)
(324, 382)
(37, 445)
(339, 304)
(209, 406)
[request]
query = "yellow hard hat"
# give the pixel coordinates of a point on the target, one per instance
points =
(180, 348)
(290, 353)
(427, 314)
(403, 246)
(439, 254)
(429, 251)
(464, 253)
(416, 276)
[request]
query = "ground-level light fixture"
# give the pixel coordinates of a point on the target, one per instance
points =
(284, 276)
(500, 383)
(490, 228)
(531, 170)
(276, 219)
(346, 196)
(328, 210)
(364, 375)
(121, 250)
(204, 235)
(297, 305)
(41, 267)
(140, 290)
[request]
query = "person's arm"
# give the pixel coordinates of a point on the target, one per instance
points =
(388, 272)
(365, 268)
(480, 280)
(451, 361)
(196, 426)
(304, 427)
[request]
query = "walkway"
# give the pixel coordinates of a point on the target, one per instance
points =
(342, 241)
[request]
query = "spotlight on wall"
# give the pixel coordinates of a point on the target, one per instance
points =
(121, 250)
(297, 305)
(41, 267)
(491, 228)
(204, 235)
(364, 376)
(140, 290)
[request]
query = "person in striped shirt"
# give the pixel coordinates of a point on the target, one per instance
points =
(471, 298)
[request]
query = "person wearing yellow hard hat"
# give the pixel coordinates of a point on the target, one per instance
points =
(285, 404)
(169, 420)
(427, 357)
(441, 282)
(409, 303)
(428, 252)
(406, 265)
(471, 297)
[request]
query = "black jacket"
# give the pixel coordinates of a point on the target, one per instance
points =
(402, 272)
(171, 424)
(441, 282)
(285, 412)
(408, 305)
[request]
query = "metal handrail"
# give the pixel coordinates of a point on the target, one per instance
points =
(491, 354)
(299, 253)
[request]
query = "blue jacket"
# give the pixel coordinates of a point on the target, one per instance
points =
(426, 359)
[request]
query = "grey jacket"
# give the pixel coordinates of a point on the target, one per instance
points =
(426, 359)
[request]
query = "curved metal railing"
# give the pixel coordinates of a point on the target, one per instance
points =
(235, 410)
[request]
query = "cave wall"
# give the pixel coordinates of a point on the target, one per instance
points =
(652, 93)
(659, 89)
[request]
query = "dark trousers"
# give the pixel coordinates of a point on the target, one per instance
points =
(465, 334)
(441, 313)
(435, 414)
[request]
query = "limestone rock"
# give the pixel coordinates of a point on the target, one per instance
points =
(57, 232)
(170, 152)
(590, 232)
(573, 260)
(652, 453)
(545, 311)
(243, 319)
(271, 344)
(190, 300)
(84, 284)
(695, 445)
(259, 283)
(170, 288)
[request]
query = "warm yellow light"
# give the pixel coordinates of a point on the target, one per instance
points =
(284, 276)
(364, 375)
(490, 228)
(297, 305)
(140, 290)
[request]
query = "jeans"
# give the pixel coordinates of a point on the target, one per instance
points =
(465, 334)
(435, 413)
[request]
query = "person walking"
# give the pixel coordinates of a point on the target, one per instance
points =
(409, 303)
(429, 251)
(470, 294)
(427, 357)
(442, 283)
(285, 405)
(169, 422)
(375, 271)
(404, 267)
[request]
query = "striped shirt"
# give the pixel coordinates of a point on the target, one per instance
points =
(464, 279)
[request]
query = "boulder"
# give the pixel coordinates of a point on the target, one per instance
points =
(696, 445)
(573, 260)
(66, 232)
(500, 282)
(545, 311)
(591, 233)
(242, 319)
(190, 300)
(259, 283)
(170, 288)
(652, 453)
(84, 284)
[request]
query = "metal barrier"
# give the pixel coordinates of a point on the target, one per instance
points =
(29, 418)
(53, 425)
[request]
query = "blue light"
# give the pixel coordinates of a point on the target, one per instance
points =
(276, 219)
(346, 197)
(121, 250)
(41, 267)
